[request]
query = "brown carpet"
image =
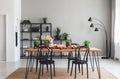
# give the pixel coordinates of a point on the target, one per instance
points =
(60, 74)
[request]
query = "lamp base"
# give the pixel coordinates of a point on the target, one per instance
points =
(104, 57)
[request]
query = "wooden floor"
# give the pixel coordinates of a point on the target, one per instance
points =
(108, 64)
(61, 73)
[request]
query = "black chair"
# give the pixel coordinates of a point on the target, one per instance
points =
(81, 60)
(41, 56)
(47, 62)
(71, 57)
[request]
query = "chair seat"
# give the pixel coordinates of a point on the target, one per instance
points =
(47, 62)
(80, 61)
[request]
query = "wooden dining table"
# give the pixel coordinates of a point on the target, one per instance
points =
(92, 49)
(94, 57)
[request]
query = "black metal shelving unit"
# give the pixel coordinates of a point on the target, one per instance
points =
(31, 31)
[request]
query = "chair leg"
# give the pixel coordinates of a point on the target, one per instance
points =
(51, 71)
(75, 70)
(82, 68)
(68, 66)
(79, 67)
(32, 64)
(36, 64)
(54, 68)
(42, 68)
(71, 69)
(87, 71)
(39, 72)
(47, 67)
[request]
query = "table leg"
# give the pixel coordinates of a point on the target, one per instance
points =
(91, 62)
(32, 61)
(97, 64)
(27, 68)
(28, 64)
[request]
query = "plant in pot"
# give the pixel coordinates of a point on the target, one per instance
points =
(44, 19)
(68, 42)
(58, 30)
(46, 42)
(87, 43)
(24, 23)
(36, 43)
(65, 36)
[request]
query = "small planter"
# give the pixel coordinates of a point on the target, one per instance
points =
(65, 36)
(57, 37)
(46, 43)
(87, 43)
(68, 44)
(44, 20)
(36, 43)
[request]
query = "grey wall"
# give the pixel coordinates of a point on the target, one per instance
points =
(71, 16)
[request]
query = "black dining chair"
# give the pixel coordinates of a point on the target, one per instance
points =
(48, 62)
(41, 56)
(72, 57)
(81, 60)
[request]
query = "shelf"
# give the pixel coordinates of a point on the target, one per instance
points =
(25, 39)
(58, 40)
(45, 23)
(31, 31)
(46, 31)
(25, 31)
(36, 32)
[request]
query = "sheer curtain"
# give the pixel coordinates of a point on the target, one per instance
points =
(112, 40)
(117, 29)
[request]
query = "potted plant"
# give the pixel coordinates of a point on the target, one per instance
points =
(45, 19)
(68, 42)
(87, 43)
(26, 22)
(36, 43)
(46, 42)
(58, 30)
(65, 36)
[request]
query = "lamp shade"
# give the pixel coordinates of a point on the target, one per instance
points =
(96, 29)
(90, 19)
(91, 25)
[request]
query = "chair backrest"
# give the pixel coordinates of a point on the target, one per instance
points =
(42, 55)
(75, 44)
(85, 51)
(71, 54)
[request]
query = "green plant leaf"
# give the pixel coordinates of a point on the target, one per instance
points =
(36, 42)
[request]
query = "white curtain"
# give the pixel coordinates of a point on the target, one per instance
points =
(117, 29)
(112, 39)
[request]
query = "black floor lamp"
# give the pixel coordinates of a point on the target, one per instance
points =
(101, 28)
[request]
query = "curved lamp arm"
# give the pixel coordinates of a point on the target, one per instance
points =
(101, 26)
(90, 19)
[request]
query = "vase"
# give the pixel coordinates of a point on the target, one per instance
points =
(44, 22)
(68, 44)
(47, 29)
(86, 45)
